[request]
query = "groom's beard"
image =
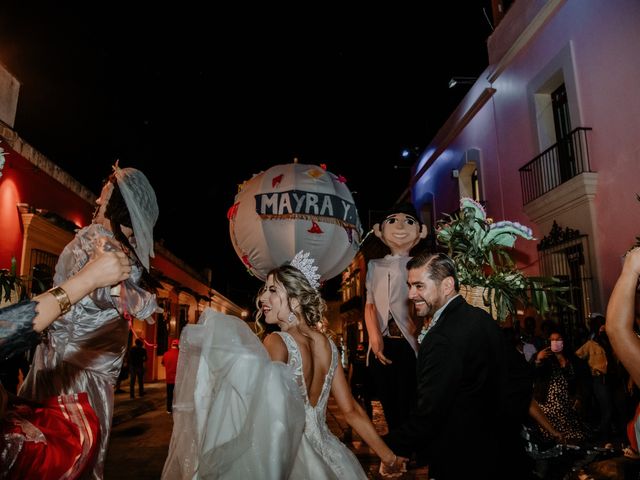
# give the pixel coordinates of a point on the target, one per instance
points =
(425, 309)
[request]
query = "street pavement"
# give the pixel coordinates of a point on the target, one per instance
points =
(140, 435)
(142, 430)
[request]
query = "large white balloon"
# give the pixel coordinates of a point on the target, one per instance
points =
(295, 207)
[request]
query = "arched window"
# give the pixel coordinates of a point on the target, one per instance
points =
(469, 182)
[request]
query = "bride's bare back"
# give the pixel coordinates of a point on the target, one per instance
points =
(316, 357)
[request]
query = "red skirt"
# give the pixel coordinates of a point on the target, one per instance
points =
(57, 440)
(631, 430)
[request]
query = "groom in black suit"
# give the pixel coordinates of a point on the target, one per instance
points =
(458, 425)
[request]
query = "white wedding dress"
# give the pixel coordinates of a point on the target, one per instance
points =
(238, 415)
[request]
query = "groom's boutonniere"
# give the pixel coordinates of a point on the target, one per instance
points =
(423, 332)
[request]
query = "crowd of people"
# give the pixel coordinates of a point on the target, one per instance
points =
(254, 406)
(473, 386)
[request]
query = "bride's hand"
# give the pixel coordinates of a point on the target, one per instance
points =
(394, 467)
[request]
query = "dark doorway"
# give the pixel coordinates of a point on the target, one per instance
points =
(562, 124)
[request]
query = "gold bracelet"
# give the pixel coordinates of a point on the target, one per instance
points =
(63, 299)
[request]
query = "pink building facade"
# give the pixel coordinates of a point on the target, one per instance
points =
(548, 136)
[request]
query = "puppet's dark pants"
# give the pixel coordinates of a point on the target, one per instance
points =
(395, 384)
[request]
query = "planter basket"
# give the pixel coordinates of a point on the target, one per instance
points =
(476, 296)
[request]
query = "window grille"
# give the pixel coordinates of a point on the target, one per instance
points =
(567, 258)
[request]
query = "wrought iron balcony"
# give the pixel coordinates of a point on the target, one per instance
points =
(556, 165)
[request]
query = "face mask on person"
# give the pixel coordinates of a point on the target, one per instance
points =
(556, 346)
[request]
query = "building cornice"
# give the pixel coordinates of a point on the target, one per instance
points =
(453, 129)
(531, 30)
(43, 163)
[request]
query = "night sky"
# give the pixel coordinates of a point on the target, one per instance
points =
(237, 90)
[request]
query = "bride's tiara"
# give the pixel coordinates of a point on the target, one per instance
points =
(305, 263)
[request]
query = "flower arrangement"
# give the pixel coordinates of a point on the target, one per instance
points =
(481, 251)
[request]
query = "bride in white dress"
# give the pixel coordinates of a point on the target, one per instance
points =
(244, 410)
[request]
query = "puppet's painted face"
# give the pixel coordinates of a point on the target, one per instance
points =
(400, 232)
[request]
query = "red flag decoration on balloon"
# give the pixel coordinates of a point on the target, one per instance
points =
(294, 207)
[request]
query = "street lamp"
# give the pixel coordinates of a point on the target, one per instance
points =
(461, 81)
(409, 152)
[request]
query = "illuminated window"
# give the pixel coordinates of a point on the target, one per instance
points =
(469, 182)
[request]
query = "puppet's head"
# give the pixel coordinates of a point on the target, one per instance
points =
(400, 230)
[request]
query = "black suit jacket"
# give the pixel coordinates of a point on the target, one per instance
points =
(458, 423)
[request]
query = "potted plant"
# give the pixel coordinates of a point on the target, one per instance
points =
(11, 285)
(486, 270)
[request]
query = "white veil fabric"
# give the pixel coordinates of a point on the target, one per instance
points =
(236, 413)
(141, 202)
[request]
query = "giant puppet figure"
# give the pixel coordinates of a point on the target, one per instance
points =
(392, 333)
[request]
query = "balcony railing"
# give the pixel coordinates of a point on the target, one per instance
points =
(556, 165)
